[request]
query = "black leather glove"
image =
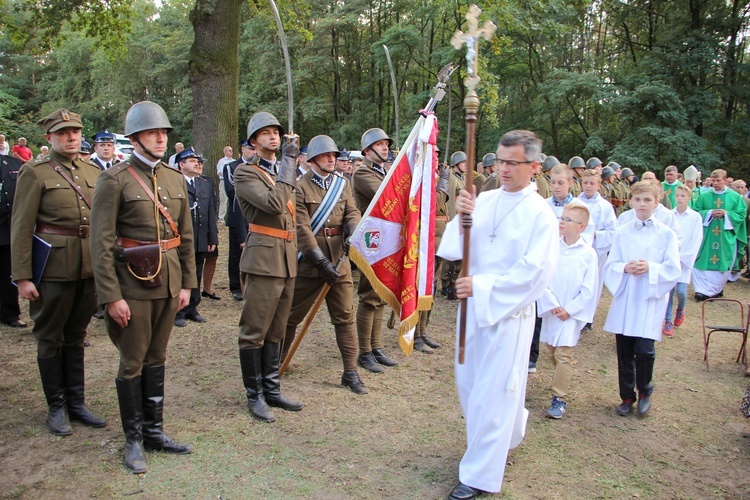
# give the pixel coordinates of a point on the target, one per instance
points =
(323, 264)
(348, 232)
(445, 175)
(288, 167)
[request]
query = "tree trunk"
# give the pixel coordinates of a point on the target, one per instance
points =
(213, 66)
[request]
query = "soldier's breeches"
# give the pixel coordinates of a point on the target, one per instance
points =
(369, 327)
(367, 295)
(144, 341)
(346, 339)
(265, 310)
(340, 299)
(376, 341)
(61, 314)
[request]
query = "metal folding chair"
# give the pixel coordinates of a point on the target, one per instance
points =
(741, 328)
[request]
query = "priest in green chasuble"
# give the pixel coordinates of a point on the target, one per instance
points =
(724, 236)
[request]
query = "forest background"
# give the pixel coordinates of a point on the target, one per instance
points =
(646, 83)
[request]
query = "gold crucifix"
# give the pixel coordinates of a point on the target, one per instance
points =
(718, 203)
(470, 39)
(714, 259)
(716, 231)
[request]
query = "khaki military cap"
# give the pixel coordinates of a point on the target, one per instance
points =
(62, 118)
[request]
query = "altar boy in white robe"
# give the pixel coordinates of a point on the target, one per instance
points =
(509, 269)
(642, 268)
(569, 301)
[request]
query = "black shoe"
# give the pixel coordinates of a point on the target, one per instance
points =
(586, 327)
(211, 296)
(252, 376)
(17, 324)
(625, 408)
(463, 492)
(446, 290)
(644, 404)
(421, 346)
(718, 295)
(272, 381)
(432, 343)
(180, 322)
(350, 379)
(53, 383)
(154, 438)
(74, 389)
(700, 297)
(237, 296)
(196, 317)
(86, 343)
(99, 314)
(382, 358)
(368, 362)
(130, 398)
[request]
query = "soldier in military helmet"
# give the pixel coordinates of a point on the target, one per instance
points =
(104, 146)
(578, 166)
(265, 190)
(487, 165)
(629, 176)
(542, 181)
(595, 164)
(326, 218)
(55, 207)
(375, 146)
(145, 269)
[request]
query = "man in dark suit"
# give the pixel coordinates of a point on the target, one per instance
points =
(203, 209)
(9, 310)
(104, 147)
(236, 222)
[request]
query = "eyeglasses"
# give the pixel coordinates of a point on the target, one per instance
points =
(568, 219)
(511, 163)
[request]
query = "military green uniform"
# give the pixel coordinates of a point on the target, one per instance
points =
(268, 264)
(365, 183)
(123, 209)
(543, 186)
(309, 282)
(452, 269)
(492, 183)
(479, 181)
(67, 297)
(575, 189)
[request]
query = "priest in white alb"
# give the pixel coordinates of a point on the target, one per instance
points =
(512, 259)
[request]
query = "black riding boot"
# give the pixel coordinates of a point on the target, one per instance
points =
(74, 388)
(272, 381)
(153, 413)
(252, 377)
(131, 413)
(53, 383)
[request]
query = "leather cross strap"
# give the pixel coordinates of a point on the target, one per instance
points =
(72, 184)
(161, 208)
(289, 204)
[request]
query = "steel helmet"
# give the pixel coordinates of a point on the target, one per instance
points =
(593, 163)
(319, 145)
(261, 120)
(373, 135)
(576, 162)
(542, 157)
(145, 115)
(549, 162)
(626, 172)
(457, 157)
(488, 160)
(614, 165)
(607, 172)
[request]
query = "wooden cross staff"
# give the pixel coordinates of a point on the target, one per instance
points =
(471, 105)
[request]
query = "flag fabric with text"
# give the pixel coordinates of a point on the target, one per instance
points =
(394, 244)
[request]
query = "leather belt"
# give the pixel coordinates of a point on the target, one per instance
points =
(282, 234)
(78, 231)
(441, 218)
(618, 203)
(330, 231)
(165, 244)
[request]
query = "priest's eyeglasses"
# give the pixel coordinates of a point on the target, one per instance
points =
(568, 219)
(510, 163)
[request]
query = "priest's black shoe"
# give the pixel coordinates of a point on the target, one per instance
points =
(351, 379)
(463, 492)
(644, 404)
(237, 296)
(625, 408)
(196, 317)
(368, 362)
(700, 297)
(211, 295)
(382, 358)
(180, 322)
(17, 324)
(432, 343)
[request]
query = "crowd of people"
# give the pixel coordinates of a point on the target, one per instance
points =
(136, 242)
